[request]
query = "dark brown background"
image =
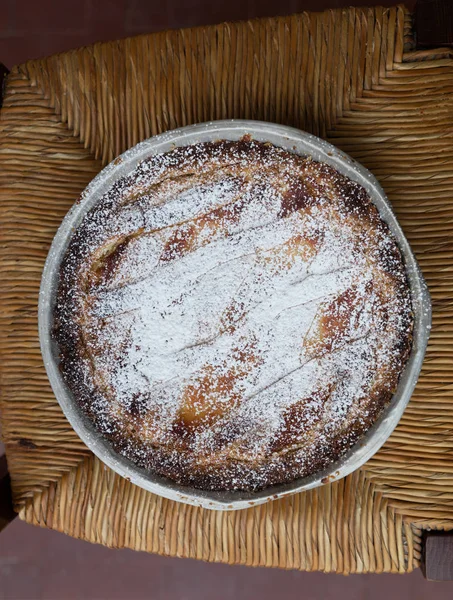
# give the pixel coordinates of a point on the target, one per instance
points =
(41, 564)
(35, 28)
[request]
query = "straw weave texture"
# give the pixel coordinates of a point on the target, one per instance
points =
(351, 76)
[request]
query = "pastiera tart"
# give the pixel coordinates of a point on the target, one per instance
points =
(232, 315)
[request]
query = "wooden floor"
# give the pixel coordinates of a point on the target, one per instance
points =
(45, 565)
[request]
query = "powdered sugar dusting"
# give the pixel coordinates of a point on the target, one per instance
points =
(240, 311)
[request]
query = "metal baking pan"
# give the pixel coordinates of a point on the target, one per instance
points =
(295, 141)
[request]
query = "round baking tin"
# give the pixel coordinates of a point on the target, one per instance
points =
(300, 143)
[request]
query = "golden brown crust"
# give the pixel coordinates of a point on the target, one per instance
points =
(276, 282)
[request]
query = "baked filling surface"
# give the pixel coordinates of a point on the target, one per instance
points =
(232, 315)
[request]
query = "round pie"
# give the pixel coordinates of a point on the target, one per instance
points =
(232, 315)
